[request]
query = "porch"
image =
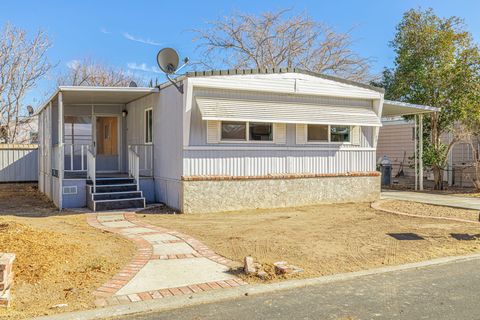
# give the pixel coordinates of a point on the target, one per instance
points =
(93, 136)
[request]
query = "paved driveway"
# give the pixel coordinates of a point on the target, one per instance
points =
(436, 199)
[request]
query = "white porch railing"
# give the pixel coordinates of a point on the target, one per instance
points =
(134, 165)
(76, 156)
(91, 170)
(145, 154)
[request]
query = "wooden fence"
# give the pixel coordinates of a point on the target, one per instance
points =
(18, 162)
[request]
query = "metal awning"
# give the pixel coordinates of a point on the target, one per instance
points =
(285, 112)
(397, 108)
(100, 95)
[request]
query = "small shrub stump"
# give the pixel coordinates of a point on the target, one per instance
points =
(6, 277)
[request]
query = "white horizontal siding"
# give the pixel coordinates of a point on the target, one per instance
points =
(264, 162)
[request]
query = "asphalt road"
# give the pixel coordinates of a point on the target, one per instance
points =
(449, 291)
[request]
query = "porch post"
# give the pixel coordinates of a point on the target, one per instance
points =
(415, 138)
(420, 151)
(61, 161)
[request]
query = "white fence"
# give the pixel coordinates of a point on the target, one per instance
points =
(18, 163)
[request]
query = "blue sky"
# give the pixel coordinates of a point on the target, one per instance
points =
(128, 34)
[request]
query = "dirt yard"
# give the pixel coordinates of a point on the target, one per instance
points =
(429, 210)
(325, 239)
(59, 259)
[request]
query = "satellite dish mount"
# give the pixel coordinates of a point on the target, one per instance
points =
(168, 60)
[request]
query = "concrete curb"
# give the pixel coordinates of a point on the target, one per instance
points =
(377, 206)
(176, 302)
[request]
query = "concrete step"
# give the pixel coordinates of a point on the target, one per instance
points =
(117, 195)
(114, 204)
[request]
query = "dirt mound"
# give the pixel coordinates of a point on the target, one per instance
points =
(57, 264)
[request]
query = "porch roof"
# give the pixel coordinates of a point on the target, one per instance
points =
(398, 108)
(99, 95)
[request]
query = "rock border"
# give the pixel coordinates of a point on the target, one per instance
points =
(377, 206)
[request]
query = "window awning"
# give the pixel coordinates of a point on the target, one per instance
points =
(283, 112)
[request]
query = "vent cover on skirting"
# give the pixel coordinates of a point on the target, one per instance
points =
(70, 190)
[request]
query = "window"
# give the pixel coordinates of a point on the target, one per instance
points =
(246, 131)
(317, 132)
(148, 126)
(340, 134)
(236, 131)
(327, 133)
(260, 131)
(78, 129)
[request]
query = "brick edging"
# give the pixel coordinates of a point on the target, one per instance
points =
(377, 206)
(140, 259)
(282, 176)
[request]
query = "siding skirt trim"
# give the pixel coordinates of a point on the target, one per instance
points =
(282, 176)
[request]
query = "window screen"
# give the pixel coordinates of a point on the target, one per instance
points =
(339, 134)
(260, 131)
(317, 132)
(234, 130)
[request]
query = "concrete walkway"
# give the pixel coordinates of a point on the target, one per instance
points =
(167, 263)
(436, 199)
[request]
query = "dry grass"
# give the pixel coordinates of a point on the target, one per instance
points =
(429, 210)
(59, 259)
(324, 239)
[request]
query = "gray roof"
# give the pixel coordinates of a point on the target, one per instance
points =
(280, 70)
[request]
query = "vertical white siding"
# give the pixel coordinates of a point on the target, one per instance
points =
(265, 162)
(18, 164)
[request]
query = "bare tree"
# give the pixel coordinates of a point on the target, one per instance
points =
(23, 62)
(276, 39)
(89, 72)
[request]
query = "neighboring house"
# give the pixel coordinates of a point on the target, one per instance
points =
(27, 131)
(397, 142)
(231, 140)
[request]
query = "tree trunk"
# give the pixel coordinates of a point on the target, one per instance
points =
(438, 178)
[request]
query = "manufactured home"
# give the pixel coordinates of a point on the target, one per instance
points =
(215, 141)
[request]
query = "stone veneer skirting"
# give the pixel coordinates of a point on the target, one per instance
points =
(219, 193)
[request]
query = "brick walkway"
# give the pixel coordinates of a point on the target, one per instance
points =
(167, 263)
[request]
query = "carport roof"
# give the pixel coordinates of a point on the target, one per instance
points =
(398, 108)
(100, 95)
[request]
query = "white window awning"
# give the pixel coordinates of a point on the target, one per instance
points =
(285, 112)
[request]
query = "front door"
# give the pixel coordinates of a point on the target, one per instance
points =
(107, 143)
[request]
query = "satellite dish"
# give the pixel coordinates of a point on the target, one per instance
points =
(132, 84)
(30, 110)
(167, 60)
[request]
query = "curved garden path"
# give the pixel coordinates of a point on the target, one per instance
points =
(167, 263)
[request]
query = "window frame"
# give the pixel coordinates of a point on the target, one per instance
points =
(146, 131)
(247, 133)
(329, 135)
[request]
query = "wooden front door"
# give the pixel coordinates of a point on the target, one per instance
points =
(107, 143)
